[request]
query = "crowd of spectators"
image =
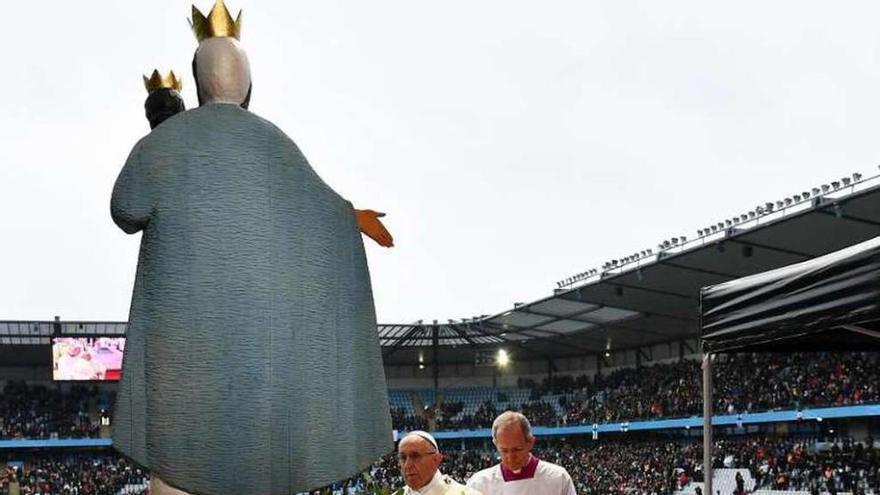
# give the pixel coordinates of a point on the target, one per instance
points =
(74, 474)
(780, 463)
(743, 383)
(661, 466)
(44, 412)
(608, 466)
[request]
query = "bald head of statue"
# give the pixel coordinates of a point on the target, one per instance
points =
(222, 72)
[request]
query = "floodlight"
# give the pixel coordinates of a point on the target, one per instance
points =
(503, 358)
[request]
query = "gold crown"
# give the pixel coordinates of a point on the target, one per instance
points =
(218, 24)
(157, 81)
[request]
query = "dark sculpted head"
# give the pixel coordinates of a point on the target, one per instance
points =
(162, 104)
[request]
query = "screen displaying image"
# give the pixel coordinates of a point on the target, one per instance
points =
(76, 358)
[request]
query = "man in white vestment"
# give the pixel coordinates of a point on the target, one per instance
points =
(519, 473)
(420, 460)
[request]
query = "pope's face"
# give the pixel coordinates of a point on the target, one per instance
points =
(419, 460)
(514, 446)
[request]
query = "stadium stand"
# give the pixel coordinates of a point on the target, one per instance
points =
(75, 474)
(662, 463)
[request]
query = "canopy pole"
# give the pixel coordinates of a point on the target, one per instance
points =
(707, 424)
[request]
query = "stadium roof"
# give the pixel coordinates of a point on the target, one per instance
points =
(653, 300)
(642, 301)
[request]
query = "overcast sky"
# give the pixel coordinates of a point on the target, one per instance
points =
(511, 143)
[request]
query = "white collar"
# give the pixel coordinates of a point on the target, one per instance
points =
(436, 481)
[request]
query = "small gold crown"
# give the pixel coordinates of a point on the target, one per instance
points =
(157, 81)
(218, 24)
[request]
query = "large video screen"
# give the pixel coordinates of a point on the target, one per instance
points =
(76, 358)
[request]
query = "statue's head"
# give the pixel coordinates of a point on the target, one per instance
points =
(162, 104)
(220, 66)
(164, 98)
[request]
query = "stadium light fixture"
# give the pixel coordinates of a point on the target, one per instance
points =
(857, 176)
(835, 184)
(503, 358)
(846, 181)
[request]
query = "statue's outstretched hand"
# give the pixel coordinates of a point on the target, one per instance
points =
(369, 223)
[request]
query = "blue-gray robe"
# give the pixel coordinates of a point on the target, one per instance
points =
(252, 362)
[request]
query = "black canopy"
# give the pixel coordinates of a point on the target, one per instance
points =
(829, 303)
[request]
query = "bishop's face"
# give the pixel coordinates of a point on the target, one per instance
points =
(513, 445)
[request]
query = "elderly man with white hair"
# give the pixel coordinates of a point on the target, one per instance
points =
(520, 472)
(420, 460)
